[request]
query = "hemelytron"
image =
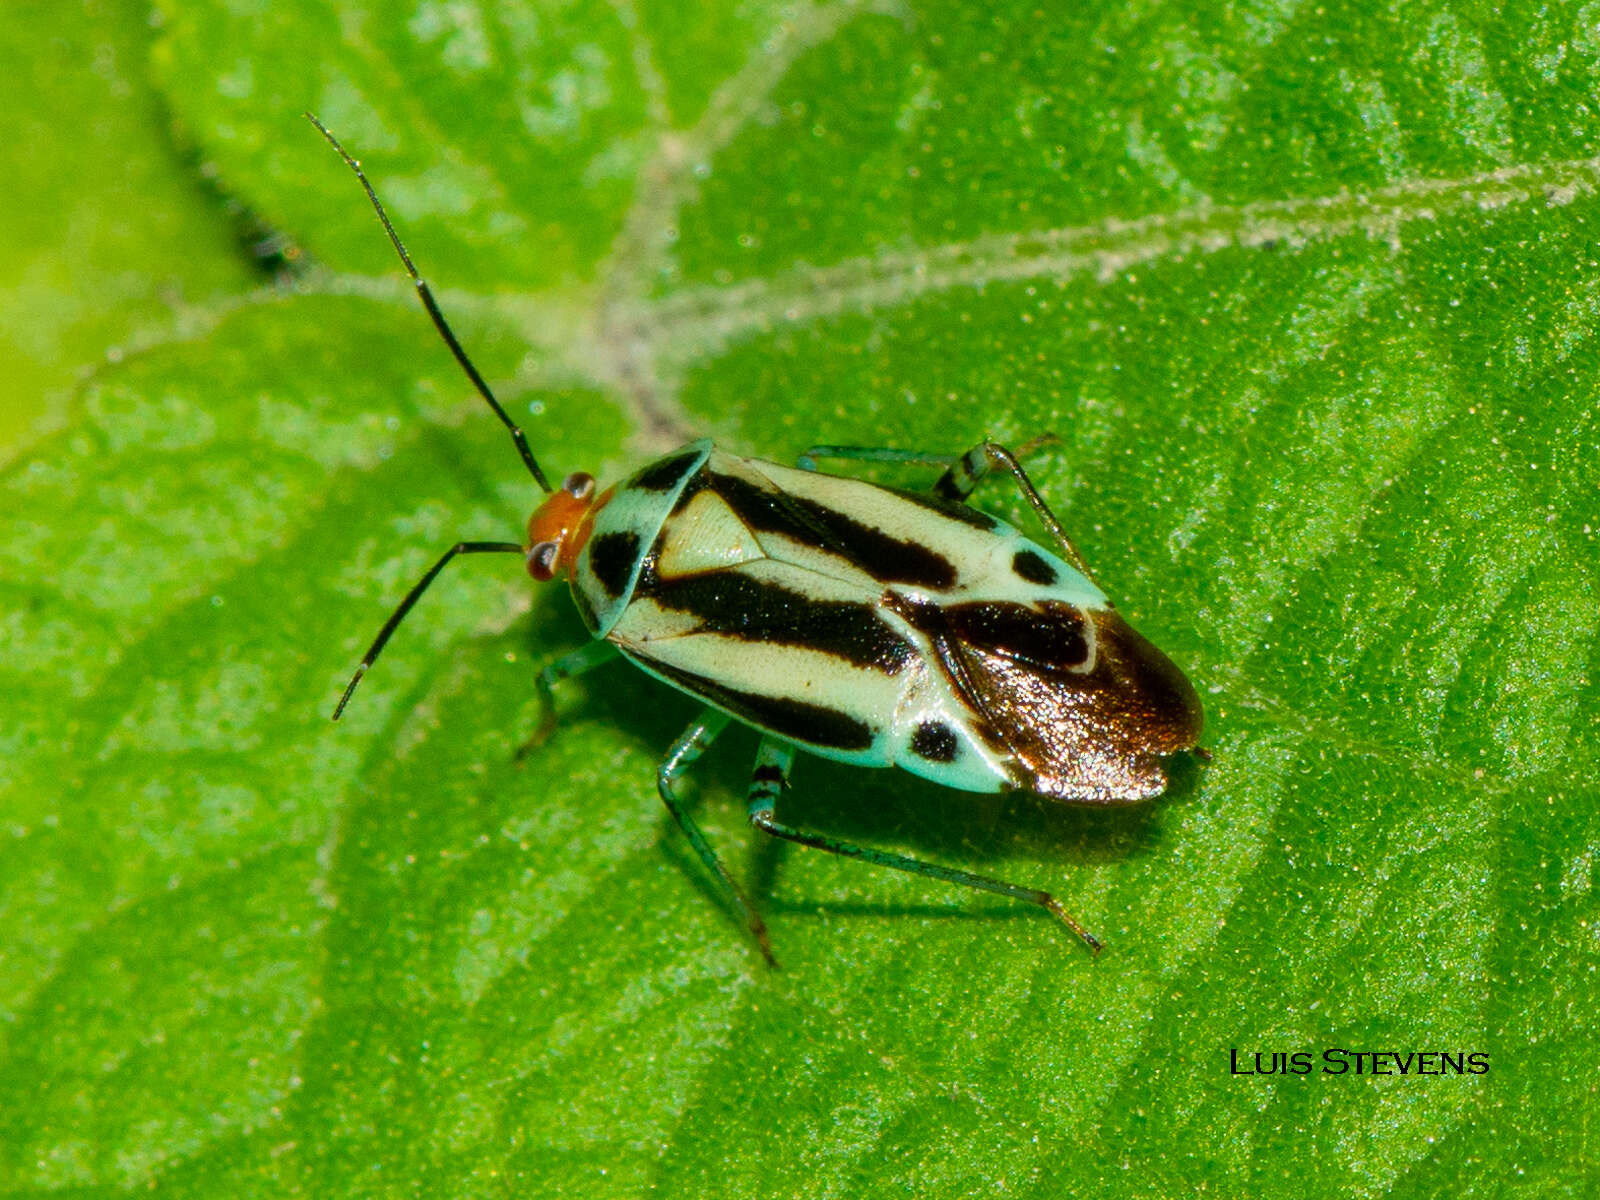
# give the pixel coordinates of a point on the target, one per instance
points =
(866, 624)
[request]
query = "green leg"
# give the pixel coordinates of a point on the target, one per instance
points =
(585, 658)
(684, 751)
(773, 760)
(769, 777)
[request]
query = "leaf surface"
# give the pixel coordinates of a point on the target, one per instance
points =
(1309, 299)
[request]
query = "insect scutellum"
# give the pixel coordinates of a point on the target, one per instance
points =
(865, 624)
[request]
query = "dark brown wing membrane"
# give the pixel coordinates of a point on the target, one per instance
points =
(1075, 730)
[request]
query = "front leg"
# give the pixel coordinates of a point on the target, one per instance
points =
(585, 658)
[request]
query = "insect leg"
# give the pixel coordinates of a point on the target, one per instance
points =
(968, 470)
(684, 751)
(585, 658)
(954, 465)
(965, 472)
(962, 473)
(769, 777)
(773, 761)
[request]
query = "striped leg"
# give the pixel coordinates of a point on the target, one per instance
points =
(964, 474)
(968, 470)
(773, 760)
(585, 658)
(768, 779)
(684, 751)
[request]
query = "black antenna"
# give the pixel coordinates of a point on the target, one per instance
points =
(445, 332)
(443, 326)
(405, 606)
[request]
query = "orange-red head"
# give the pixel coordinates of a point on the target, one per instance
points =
(561, 525)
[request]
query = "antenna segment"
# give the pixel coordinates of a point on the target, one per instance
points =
(429, 303)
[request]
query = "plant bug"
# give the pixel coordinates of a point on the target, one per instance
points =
(866, 624)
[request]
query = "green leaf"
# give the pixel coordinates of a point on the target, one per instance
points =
(105, 234)
(1309, 297)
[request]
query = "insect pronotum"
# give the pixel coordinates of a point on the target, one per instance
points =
(866, 624)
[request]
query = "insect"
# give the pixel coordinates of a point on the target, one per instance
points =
(866, 624)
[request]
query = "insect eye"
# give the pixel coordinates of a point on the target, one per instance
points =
(542, 560)
(578, 485)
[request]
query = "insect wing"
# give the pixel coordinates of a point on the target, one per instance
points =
(800, 653)
(1084, 705)
(1061, 695)
(921, 544)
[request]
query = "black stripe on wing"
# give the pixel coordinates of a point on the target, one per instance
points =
(813, 724)
(734, 604)
(887, 558)
(955, 510)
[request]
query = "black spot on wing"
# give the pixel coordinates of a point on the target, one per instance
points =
(811, 724)
(935, 741)
(886, 558)
(612, 558)
(732, 603)
(1031, 566)
(664, 474)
